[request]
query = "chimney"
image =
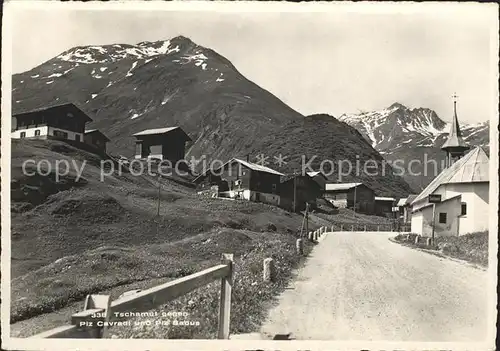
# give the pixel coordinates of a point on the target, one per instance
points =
(248, 157)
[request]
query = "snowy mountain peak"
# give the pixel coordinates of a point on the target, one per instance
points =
(116, 52)
(398, 126)
(397, 105)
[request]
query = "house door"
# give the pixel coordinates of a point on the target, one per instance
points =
(257, 197)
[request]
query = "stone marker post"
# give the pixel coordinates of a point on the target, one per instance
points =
(300, 247)
(268, 270)
(428, 242)
(310, 237)
(416, 239)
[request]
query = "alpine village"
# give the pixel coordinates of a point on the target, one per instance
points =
(101, 226)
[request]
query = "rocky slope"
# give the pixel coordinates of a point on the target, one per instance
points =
(404, 134)
(128, 88)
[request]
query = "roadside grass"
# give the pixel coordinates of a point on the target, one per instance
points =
(347, 216)
(71, 278)
(72, 240)
(250, 295)
(471, 247)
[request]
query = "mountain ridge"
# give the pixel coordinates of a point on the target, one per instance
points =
(180, 83)
(401, 133)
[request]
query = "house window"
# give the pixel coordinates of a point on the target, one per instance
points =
(37, 132)
(23, 135)
(60, 134)
(237, 182)
(464, 209)
(274, 187)
(442, 217)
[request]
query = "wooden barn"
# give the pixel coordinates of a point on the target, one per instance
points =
(299, 188)
(351, 195)
(320, 178)
(384, 205)
(65, 121)
(96, 139)
(238, 179)
(161, 144)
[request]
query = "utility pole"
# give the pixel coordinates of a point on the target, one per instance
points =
(294, 192)
(158, 207)
(355, 187)
(307, 218)
(433, 222)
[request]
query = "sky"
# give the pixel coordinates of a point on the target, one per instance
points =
(340, 59)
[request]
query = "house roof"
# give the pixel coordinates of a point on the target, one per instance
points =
(315, 173)
(67, 105)
(160, 131)
(472, 168)
(288, 177)
(97, 131)
(401, 202)
(406, 200)
(381, 198)
(252, 166)
(455, 137)
(340, 186)
(255, 167)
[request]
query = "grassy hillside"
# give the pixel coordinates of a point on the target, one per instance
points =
(327, 143)
(225, 114)
(76, 237)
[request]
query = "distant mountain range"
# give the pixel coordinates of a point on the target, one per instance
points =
(400, 133)
(128, 88)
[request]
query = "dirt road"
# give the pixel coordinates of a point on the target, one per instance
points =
(361, 286)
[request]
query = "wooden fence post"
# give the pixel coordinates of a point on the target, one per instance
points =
(341, 227)
(300, 247)
(378, 227)
(416, 239)
(332, 228)
(225, 298)
(352, 227)
(365, 227)
(268, 270)
(96, 302)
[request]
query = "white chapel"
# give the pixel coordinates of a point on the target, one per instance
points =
(464, 189)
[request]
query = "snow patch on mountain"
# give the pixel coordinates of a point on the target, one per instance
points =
(112, 53)
(138, 113)
(219, 78)
(169, 96)
(198, 59)
(55, 75)
(398, 126)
